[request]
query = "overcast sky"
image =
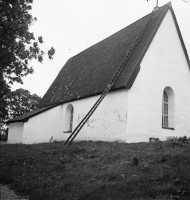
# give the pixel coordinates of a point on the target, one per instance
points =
(71, 26)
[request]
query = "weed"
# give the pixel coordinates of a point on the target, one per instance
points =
(177, 141)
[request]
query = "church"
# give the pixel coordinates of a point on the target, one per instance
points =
(149, 99)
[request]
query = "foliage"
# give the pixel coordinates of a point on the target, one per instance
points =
(97, 170)
(20, 102)
(17, 44)
(175, 141)
(5, 89)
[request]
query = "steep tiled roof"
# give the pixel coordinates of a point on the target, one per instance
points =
(89, 72)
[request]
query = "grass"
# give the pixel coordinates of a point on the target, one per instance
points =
(97, 170)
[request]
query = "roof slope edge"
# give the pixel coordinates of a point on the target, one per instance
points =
(181, 38)
(84, 74)
(143, 45)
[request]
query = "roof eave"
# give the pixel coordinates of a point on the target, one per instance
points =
(94, 94)
(25, 119)
(57, 104)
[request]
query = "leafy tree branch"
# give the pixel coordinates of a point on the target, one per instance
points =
(17, 45)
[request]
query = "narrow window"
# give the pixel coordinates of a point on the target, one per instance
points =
(69, 114)
(71, 119)
(165, 110)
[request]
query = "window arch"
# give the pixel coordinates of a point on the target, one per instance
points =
(168, 108)
(69, 113)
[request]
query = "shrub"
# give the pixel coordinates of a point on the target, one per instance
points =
(175, 141)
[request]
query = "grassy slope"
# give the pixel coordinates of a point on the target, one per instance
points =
(97, 170)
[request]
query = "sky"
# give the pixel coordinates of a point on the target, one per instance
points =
(71, 26)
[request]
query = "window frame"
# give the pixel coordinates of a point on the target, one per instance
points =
(165, 110)
(69, 116)
(71, 119)
(168, 108)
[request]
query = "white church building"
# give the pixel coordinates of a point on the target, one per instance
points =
(150, 98)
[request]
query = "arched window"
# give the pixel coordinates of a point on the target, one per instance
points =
(165, 110)
(68, 126)
(71, 119)
(168, 108)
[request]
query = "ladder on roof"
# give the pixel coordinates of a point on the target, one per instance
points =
(108, 88)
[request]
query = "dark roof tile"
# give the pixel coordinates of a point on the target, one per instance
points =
(89, 72)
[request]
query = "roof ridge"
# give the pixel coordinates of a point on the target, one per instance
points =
(104, 59)
(154, 12)
(117, 32)
(109, 36)
(130, 52)
(136, 41)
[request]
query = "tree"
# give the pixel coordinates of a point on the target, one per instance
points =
(17, 45)
(19, 102)
(3, 92)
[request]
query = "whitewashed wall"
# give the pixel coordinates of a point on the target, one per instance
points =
(108, 122)
(15, 132)
(163, 65)
(42, 127)
(132, 115)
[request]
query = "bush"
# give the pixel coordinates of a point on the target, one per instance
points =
(177, 141)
